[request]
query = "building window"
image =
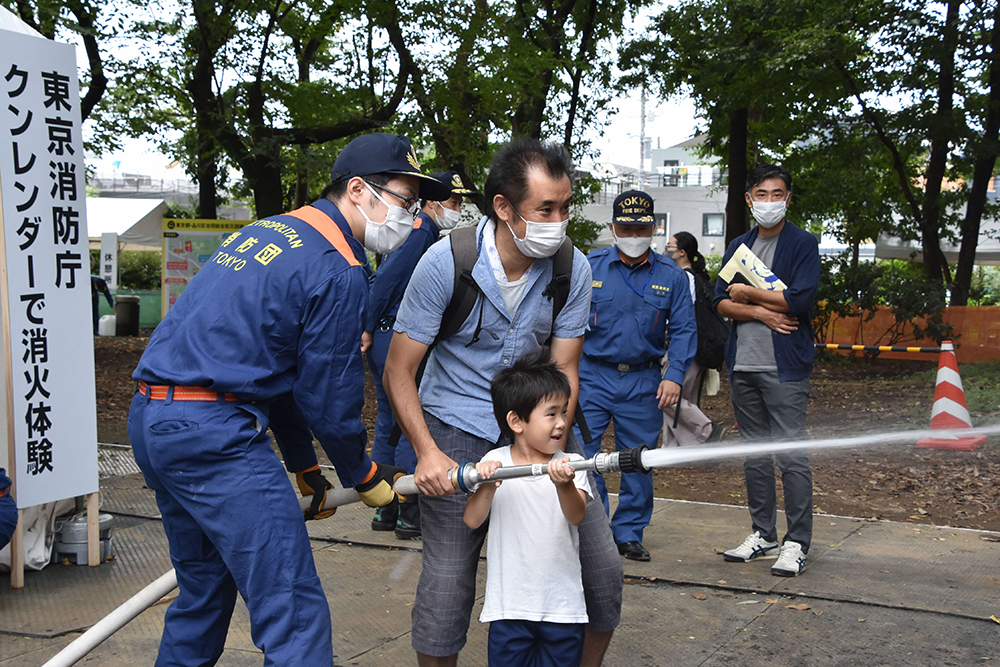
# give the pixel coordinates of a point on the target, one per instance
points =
(713, 224)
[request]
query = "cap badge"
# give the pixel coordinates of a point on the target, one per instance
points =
(411, 157)
(456, 182)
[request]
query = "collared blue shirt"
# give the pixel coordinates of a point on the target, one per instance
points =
(796, 263)
(277, 309)
(456, 384)
(633, 308)
(386, 289)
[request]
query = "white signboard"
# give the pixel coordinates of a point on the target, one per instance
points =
(108, 267)
(42, 190)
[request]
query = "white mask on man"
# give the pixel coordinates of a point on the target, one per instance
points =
(447, 218)
(383, 237)
(541, 239)
(632, 246)
(768, 213)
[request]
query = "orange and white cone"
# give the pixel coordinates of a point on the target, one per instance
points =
(950, 411)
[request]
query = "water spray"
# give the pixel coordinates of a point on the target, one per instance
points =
(465, 478)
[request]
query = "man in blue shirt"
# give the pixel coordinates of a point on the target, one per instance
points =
(770, 355)
(384, 295)
(527, 194)
(275, 316)
(639, 297)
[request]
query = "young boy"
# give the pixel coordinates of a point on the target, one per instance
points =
(534, 591)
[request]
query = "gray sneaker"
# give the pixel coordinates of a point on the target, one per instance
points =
(790, 561)
(753, 547)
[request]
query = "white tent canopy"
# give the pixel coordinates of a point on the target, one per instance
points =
(9, 21)
(135, 221)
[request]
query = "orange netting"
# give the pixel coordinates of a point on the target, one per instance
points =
(976, 337)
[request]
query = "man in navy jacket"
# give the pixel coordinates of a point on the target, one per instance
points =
(770, 355)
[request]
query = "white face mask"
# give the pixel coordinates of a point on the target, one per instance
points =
(768, 213)
(632, 246)
(541, 239)
(383, 237)
(447, 218)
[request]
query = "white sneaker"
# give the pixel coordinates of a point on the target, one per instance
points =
(753, 546)
(790, 561)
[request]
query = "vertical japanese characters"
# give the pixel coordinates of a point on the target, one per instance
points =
(49, 194)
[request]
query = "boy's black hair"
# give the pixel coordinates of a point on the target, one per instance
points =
(524, 385)
(762, 172)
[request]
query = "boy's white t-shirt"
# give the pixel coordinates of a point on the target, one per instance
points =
(532, 553)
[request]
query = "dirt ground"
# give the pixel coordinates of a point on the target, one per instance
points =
(848, 398)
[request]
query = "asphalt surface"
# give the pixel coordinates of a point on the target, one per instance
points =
(879, 593)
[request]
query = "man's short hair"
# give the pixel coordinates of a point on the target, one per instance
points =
(524, 385)
(509, 169)
(762, 172)
(335, 191)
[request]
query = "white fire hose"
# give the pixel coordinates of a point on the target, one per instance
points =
(465, 478)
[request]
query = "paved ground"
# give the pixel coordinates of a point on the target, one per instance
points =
(873, 594)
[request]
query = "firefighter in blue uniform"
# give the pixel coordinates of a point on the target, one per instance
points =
(639, 298)
(272, 322)
(384, 296)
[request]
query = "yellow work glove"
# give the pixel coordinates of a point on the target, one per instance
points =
(312, 483)
(376, 489)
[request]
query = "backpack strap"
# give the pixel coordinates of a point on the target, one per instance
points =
(463, 298)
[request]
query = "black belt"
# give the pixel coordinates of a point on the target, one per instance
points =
(627, 368)
(386, 323)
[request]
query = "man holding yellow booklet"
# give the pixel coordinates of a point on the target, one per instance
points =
(767, 288)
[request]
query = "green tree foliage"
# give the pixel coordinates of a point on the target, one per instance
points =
(895, 106)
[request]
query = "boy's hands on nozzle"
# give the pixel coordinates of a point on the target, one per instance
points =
(560, 472)
(485, 469)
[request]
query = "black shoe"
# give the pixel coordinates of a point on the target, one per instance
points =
(385, 517)
(633, 551)
(408, 524)
(718, 430)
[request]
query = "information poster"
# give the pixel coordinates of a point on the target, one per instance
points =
(187, 245)
(109, 259)
(47, 262)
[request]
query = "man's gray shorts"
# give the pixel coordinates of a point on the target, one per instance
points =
(447, 588)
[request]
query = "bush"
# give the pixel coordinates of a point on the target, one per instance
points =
(845, 291)
(137, 269)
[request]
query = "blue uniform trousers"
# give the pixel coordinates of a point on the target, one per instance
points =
(234, 524)
(630, 400)
(535, 644)
(401, 455)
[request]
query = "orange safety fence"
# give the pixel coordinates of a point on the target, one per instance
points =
(976, 335)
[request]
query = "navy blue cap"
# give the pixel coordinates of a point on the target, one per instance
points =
(379, 153)
(634, 207)
(453, 181)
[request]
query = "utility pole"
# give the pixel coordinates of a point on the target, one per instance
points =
(642, 133)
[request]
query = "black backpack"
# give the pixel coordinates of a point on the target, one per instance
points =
(713, 329)
(466, 292)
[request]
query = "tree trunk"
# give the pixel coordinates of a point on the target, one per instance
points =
(982, 175)
(206, 171)
(736, 206)
(935, 264)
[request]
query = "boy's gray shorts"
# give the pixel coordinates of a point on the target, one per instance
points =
(447, 588)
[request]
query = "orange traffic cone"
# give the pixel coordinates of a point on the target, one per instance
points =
(950, 411)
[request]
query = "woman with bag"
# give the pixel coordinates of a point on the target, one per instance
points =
(693, 427)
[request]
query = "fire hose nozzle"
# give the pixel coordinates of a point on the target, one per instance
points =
(630, 460)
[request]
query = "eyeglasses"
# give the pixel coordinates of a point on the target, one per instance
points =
(671, 247)
(411, 205)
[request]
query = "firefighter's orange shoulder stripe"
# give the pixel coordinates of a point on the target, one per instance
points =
(322, 223)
